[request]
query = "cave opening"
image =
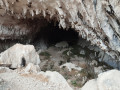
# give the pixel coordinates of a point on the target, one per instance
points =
(42, 33)
(47, 34)
(52, 34)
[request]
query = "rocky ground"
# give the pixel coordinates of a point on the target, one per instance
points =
(75, 63)
(62, 66)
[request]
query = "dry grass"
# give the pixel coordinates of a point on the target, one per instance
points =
(37, 77)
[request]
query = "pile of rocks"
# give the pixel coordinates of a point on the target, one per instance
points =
(27, 74)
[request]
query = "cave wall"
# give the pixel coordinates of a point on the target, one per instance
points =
(97, 21)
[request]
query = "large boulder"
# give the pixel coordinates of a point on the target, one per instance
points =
(19, 55)
(109, 80)
(19, 79)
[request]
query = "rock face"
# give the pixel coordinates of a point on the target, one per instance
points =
(71, 66)
(97, 21)
(106, 81)
(20, 80)
(19, 55)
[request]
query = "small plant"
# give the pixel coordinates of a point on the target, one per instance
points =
(46, 54)
(74, 83)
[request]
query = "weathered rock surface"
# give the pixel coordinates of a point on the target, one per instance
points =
(97, 21)
(109, 80)
(19, 29)
(19, 55)
(20, 80)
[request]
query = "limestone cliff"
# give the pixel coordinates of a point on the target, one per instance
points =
(97, 21)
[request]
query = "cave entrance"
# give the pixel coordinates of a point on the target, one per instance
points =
(52, 34)
(49, 35)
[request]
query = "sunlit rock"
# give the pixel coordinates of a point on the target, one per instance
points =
(106, 81)
(20, 80)
(71, 66)
(19, 56)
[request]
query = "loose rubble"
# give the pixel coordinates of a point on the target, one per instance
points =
(60, 68)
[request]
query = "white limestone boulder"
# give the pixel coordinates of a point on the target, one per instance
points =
(20, 80)
(109, 80)
(71, 66)
(19, 55)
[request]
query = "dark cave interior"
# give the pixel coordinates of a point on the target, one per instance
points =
(53, 34)
(49, 33)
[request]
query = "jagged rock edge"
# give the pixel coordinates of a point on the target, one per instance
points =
(96, 21)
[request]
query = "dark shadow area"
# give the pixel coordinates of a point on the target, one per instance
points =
(53, 34)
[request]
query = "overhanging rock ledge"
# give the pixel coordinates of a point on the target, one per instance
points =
(97, 21)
